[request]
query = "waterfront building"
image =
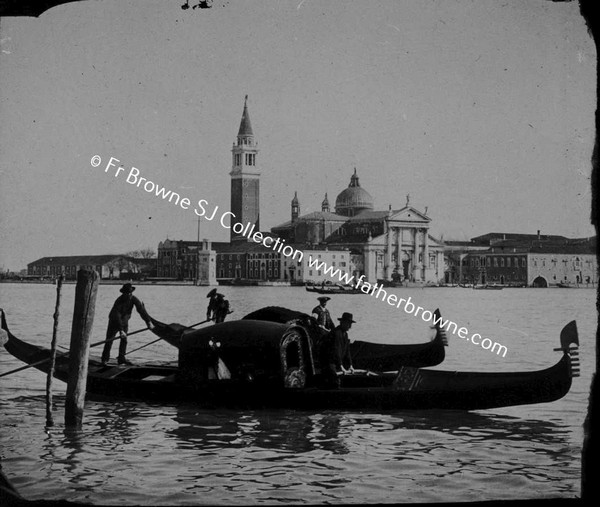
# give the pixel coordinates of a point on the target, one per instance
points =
(455, 253)
(187, 260)
(247, 262)
(111, 267)
(310, 267)
(531, 260)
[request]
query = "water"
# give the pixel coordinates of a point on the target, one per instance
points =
(132, 453)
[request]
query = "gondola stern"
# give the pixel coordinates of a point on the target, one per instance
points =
(440, 331)
(569, 346)
(4, 331)
(569, 335)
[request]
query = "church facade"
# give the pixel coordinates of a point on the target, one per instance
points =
(390, 246)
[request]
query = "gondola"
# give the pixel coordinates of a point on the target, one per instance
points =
(365, 355)
(336, 289)
(269, 365)
(562, 285)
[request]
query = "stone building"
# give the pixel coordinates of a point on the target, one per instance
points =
(383, 245)
(311, 267)
(532, 260)
(109, 267)
(187, 260)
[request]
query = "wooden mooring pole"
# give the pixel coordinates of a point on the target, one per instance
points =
(49, 401)
(83, 320)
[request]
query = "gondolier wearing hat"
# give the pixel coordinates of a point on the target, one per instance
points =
(218, 307)
(118, 322)
(211, 304)
(321, 314)
(335, 352)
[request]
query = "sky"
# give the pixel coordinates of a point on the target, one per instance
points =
(482, 111)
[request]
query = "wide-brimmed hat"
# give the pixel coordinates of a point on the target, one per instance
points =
(323, 298)
(211, 293)
(127, 288)
(347, 317)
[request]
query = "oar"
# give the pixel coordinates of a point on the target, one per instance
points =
(42, 361)
(118, 336)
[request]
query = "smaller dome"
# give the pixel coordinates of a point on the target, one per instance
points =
(353, 199)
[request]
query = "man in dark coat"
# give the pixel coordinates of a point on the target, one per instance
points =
(335, 352)
(118, 322)
(321, 314)
(212, 304)
(218, 307)
(221, 308)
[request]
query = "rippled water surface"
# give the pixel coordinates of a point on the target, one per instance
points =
(140, 453)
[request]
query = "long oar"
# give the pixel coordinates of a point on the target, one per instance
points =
(42, 361)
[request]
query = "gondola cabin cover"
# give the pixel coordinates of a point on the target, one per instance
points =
(246, 352)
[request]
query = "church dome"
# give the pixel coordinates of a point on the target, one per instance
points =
(353, 199)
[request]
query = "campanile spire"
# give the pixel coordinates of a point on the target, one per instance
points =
(245, 202)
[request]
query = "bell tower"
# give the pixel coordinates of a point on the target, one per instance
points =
(245, 202)
(295, 207)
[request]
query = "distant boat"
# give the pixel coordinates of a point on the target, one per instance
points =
(273, 283)
(565, 285)
(333, 289)
(488, 287)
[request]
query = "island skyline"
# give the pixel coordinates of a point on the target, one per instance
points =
(483, 113)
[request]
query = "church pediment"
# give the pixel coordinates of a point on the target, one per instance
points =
(408, 214)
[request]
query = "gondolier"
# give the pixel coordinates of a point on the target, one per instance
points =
(335, 352)
(221, 309)
(321, 314)
(118, 322)
(211, 304)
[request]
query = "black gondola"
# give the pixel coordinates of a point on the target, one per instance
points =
(269, 365)
(365, 355)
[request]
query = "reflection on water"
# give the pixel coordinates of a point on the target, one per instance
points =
(283, 430)
(141, 453)
(130, 445)
(128, 450)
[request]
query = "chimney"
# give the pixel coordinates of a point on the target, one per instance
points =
(538, 234)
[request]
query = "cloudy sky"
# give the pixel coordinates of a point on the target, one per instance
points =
(482, 111)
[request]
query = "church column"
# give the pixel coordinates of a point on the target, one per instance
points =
(425, 254)
(399, 248)
(370, 267)
(415, 268)
(388, 253)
